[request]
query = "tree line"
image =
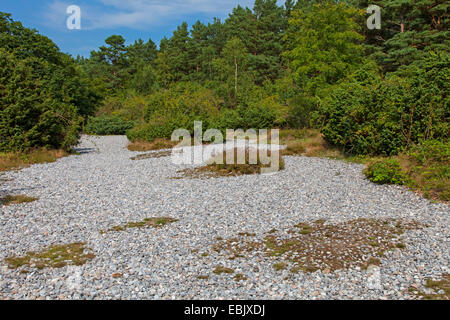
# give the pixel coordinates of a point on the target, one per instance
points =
(296, 65)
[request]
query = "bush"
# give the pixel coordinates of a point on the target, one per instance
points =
(371, 116)
(31, 115)
(300, 110)
(108, 125)
(227, 119)
(258, 116)
(431, 152)
(385, 172)
(42, 92)
(175, 108)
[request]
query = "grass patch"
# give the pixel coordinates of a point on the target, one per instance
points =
(239, 277)
(219, 270)
(17, 161)
(424, 168)
(341, 246)
(235, 248)
(437, 289)
(18, 199)
(317, 246)
(280, 266)
(153, 155)
(146, 223)
(157, 144)
(252, 163)
(56, 256)
(309, 143)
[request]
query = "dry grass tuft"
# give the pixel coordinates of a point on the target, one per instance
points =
(219, 270)
(157, 144)
(239, 277)
(218, 167)
(307, 142)
(146, 223)
(17, 161)
(18, 199)
(56, 256)
(153, 155)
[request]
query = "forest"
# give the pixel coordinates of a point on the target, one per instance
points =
(297, 66)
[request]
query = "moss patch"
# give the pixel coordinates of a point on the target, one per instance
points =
(56, 256)
(220, 269)
(18, 199)
(236, 247)
(341, 246)
(437, 289)
(317, 246)
(239, 277)
(279, 266)
(146, 223)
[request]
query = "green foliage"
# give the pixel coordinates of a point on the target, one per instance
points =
(424, 168)
(227, 119)
(174, 108)
(323, 44)
(108, 125)
(431, 152)
(430, 168)
(385, 172)
(42, 92)
(371, 115)
(259, 117)
(411, 29)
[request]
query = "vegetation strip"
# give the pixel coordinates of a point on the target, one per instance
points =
(217, 169)
(146, 223)
(326, 247)
(56, 256)
(17, 199)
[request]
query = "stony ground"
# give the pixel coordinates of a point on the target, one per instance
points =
(79, 196)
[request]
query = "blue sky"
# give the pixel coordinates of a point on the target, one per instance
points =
(132, 19)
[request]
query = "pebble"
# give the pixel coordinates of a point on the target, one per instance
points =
(102, 187)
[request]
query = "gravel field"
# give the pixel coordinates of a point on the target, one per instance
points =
(102, 187)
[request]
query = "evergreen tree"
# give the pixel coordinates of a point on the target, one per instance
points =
(323, 45)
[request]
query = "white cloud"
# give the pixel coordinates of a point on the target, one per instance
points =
(139, 14)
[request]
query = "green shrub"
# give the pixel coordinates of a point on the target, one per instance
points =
(227, 119)
(42, 93)
(258, 116)
(300, 110)
(108, 125)
(176, 108)
(371, 116)
(385, 172)
(429, 169)
(431, 152)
